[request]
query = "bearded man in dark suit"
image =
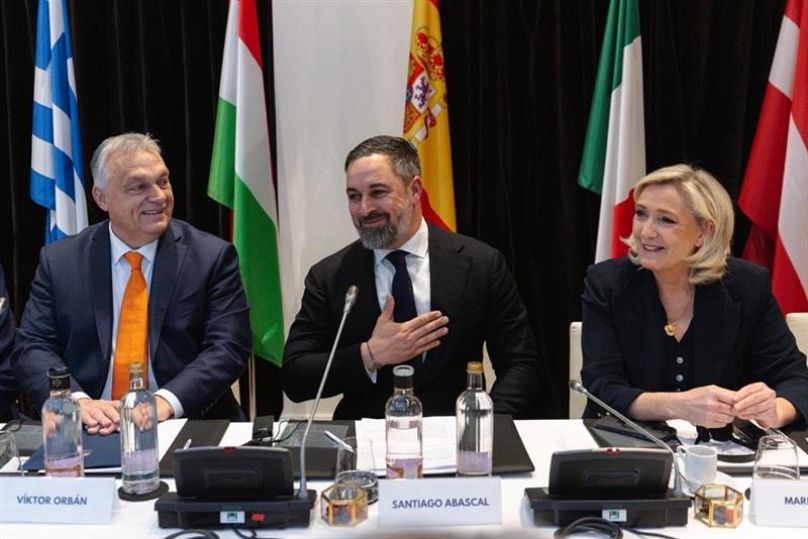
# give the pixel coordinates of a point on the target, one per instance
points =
(459, 295)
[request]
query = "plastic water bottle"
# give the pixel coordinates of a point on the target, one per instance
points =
(140, 466)
(475, 425)
(61, 428)
(404, 426)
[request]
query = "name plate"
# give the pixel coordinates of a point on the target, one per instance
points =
(57, 500)
(457, 501)
(779, 502)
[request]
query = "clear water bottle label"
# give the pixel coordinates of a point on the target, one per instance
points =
(473, 463)
(404, 454)
(66, 467)
(140, 461)
(405, 468)
(140, 471)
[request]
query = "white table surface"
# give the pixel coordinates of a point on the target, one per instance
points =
(540, 437)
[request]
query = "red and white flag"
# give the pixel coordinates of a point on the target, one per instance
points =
(775, 189)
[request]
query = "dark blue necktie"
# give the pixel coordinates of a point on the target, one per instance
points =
(404, 308)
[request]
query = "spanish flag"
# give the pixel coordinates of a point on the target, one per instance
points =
(426, 116)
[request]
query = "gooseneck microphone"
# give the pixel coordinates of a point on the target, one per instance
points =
(350, 299)
(578, 387)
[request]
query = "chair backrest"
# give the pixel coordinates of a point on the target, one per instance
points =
(798, 324)
(577, 401)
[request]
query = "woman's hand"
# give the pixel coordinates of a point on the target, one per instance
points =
(759, 402)
(713, 406)
(708, 406)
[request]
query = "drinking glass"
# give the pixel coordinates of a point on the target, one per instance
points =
(776, 458)
(356, 465)
(9, 456)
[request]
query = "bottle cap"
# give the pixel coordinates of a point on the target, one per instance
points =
(403, 370)
(59, 378)
(403, 376)
(136, 367)
(474, 367)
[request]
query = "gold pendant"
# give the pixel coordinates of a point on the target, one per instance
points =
(670, 330)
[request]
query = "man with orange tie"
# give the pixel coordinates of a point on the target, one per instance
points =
(139, 287)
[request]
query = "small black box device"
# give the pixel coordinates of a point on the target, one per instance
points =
(626, 486)
(246, 473)
(249, 487)
(610, 472)
(262, 427)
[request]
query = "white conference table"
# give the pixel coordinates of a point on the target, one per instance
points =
(541, 438)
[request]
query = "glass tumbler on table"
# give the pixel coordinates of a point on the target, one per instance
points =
(776, 458)
(9, 456)
(356, 465)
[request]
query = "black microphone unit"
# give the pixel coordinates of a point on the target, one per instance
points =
(626, 486)
(245, 487)
(578, 387)
(174, 511)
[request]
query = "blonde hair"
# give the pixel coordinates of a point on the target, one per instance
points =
(709, 204)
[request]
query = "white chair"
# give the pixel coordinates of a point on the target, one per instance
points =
(798, 324)
(577, 401)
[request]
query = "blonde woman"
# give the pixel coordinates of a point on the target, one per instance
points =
(681, 330)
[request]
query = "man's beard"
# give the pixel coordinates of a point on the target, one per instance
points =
(381, 237)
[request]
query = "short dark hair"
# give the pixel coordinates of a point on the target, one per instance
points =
(402, 155)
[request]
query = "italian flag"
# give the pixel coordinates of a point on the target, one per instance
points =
(614, 152)
(775, 188)
(241, 176)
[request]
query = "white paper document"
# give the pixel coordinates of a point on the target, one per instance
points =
(439, 439)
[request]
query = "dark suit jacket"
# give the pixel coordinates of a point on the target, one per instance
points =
(739, 335)
(470, 284)
(8, 384)
(199, 333)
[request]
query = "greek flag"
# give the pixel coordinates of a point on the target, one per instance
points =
(57, 166)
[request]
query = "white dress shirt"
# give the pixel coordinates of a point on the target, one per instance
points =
(417, 259)
(120, 277)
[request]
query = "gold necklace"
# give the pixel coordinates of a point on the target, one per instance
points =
(670, 327)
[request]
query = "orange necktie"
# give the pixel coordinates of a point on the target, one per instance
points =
(133, 328)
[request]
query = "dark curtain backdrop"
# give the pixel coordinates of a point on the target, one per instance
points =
(520, 76)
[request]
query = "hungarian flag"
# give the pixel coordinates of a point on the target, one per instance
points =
(426, 116)
(775, 188)
(614, 152)
(241, 176)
